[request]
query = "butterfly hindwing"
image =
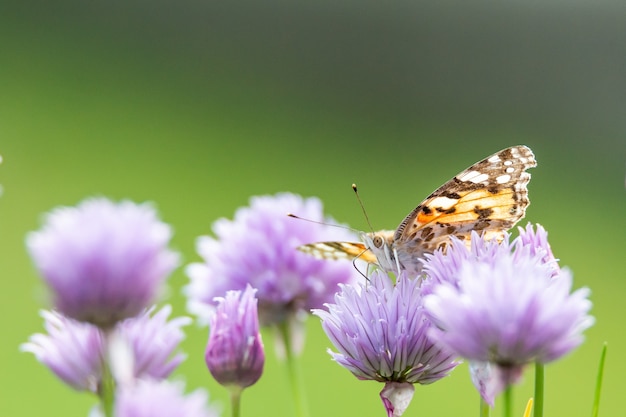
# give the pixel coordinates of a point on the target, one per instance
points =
(339, 250)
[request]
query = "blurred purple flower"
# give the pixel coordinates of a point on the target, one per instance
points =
(153, 341)
(75, 351)
(150, 398)
(381, 334)
(502, 306)
(258, 248)
(104, 261)
(234, 353)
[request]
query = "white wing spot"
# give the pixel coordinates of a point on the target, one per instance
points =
(480, 178)
(443, 202)
(494, 159)
(509, 170)
(502, 179)
(507, 163)
(475, 177)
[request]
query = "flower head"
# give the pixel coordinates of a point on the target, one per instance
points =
(104, 261)
(381, 334)
(75, 351)
(153, 341)
(234, 353)
(258, 248)
(445, 266)
(503, 305)
(150, 398)
(535, 240)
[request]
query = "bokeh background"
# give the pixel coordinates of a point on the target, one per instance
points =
(197, 105)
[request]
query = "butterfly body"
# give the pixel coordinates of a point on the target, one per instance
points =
(489, 197)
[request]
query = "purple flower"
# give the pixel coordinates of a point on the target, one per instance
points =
(444, 267)
(536, 241)
(153, 341)
(104, 261)
(150, 398)
(502, 306)
(258, 248)
(234, 353)
(381, 334)
(75, 351)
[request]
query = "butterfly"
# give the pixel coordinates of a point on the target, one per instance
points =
(489, 197)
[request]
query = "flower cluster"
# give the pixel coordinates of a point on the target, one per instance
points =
(75, 351)
(105, 263)
(499, 304)
(258, 248)
(504, 305)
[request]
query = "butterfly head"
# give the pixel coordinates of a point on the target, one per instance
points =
(380, 244)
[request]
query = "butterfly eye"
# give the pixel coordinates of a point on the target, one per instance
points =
(378, 241)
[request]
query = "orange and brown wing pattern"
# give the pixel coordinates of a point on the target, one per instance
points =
(490, 196)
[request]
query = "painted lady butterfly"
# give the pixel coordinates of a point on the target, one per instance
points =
(489, 197)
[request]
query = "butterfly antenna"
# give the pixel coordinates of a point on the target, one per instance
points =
(341, 226)
(358, 197)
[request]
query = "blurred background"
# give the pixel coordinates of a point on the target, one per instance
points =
(197, 105)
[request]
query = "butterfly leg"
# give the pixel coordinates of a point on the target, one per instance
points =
(395, 255)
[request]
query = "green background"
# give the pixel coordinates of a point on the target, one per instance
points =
(197, 105)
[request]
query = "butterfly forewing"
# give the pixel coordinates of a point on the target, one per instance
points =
(489, 195)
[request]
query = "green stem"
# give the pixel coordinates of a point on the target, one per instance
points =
(539, 388)
(295, 380)
(485, 410)
(596, 397)
(508, 401)
(235, 400)
(106, 390)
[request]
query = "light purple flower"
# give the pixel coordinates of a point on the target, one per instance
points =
(536, 241)
(444, 267)
(381, 333)
(258, 248)
(104, 261)
(234, 353)
(505, 305)
(154, 341)
(75, 351)
(150, 398)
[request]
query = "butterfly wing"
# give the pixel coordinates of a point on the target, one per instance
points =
(489, 196)
(339, 250)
